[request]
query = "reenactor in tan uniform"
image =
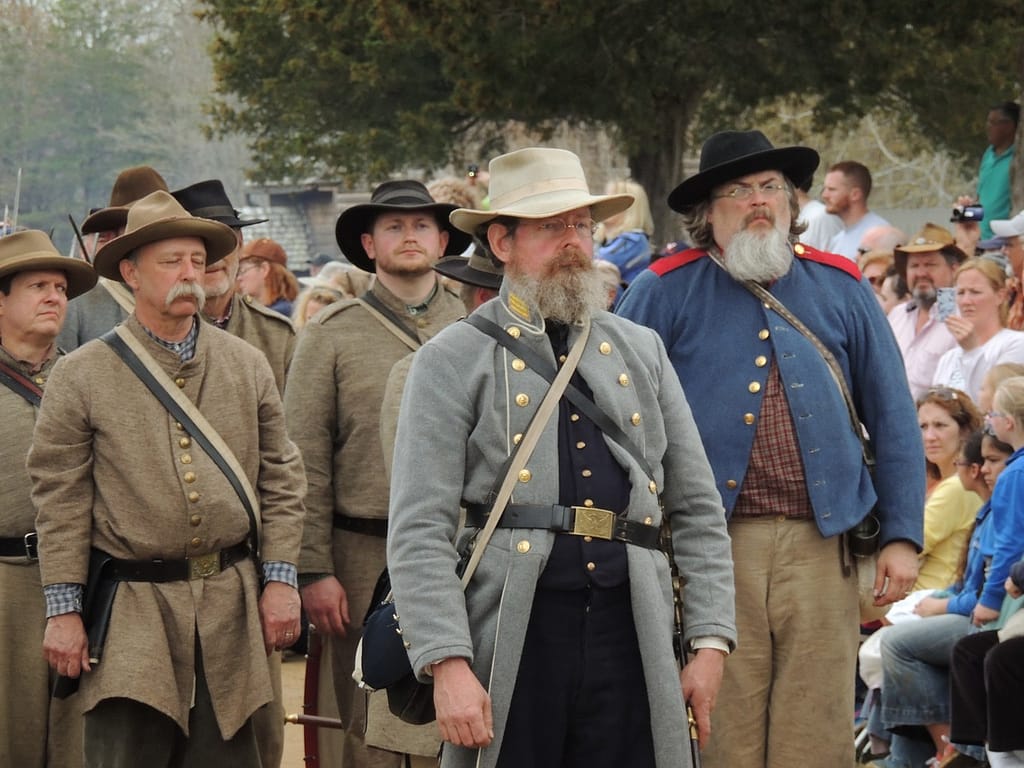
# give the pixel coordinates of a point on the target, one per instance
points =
(184, 667)
(36, 282)
(333, 403)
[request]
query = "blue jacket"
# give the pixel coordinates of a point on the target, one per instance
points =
(1008, 524)
(964, 595)
(722, 340)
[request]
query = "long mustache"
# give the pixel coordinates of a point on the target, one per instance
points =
(758, 213)
(570, 257)
(183, 290)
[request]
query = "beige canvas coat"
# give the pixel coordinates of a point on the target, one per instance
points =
(270, 332)
(113, 470)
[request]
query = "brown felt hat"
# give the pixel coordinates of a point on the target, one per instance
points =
(130, 185)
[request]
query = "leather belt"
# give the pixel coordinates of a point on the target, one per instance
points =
(368, 526)
(576, 521)
(21, 546)
(188, 569)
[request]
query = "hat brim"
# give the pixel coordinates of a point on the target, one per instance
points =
(1004, 228)
(105, 220)
(901, 254)
(458, 268)
(219, 238)
(796, 163)
(544, 206)
(355, 221)
(81, 277)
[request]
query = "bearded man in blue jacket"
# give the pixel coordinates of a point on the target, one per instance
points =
(787, 459)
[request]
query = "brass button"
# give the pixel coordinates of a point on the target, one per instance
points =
(798, 249)
(652, 487)
(754, 387)
(760, 361)
(648, 521)
(586, 473)
(516, 438)
(605, 348)
(588, 502)
(591, 567)
(195, 520)
(196, 541)
(574, 417)
(581, 445)
(588, 539)
(421, 323)
(40, 380)
(523, 547)
(179, 426)
(190, 477)
(186, 458)
(193, 496)
(518, 365)
(525, 475)
(180, 382)
(185, 442)
(522, 400)
(780, 518)
(562, 358)
(763, 334)
(635, 418)
(748, 418)
(730, 483)
(514, 332)
(623, 379)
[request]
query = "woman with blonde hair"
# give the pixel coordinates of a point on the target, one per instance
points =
(626, 237)
(983, 340)
(263, 274)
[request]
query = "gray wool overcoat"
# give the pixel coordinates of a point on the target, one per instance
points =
(465, 402)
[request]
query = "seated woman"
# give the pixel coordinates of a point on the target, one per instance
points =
(983, 340)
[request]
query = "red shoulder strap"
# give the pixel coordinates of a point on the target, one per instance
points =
(665, 265)
(828, 259)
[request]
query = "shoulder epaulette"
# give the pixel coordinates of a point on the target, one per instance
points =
(666, 264)
(266, 311)
(334, 308)
(828, 259)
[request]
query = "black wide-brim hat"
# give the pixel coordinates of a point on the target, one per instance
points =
(209, 200)
(478, 270)
(404, 196)
(731, 154)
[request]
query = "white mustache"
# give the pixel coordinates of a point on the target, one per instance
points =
(181, 290)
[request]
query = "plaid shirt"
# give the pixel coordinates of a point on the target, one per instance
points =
(775, 483)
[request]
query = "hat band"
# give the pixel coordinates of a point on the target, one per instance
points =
(403, 198)
(534, 188)
(211, 211)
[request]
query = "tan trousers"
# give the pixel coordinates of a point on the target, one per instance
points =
(787, 697)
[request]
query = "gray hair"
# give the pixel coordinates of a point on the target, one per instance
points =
(698, 227)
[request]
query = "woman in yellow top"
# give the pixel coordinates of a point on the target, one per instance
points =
(947, 417)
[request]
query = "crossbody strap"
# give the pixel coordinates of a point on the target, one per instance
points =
(522, 452)
(543, 368)
(142, 364)
(20, 385)
(386, 317)
(124, 298)
(834, 368)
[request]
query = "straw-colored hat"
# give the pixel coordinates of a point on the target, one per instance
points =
(931, 239)
(158, 216)
(31, 249)
(537, 183)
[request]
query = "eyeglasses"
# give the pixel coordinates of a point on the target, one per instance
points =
(876, 280)
(995, 415)
(248, 265)
(939, 393)
(746, 191)
(556, 228)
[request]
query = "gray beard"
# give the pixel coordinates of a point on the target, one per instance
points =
(568, 296)
(758, 257)
(925, 296)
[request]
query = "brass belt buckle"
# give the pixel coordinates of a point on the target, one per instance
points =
(591, 521)
(203, 566)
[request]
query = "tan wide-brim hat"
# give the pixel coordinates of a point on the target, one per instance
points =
(931, 239)
(537, 183)
(158, 216)
(130, 185)
(31, 250)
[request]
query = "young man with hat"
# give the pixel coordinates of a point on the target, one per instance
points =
(36, 282)
(333, 403)
(560, 650)
(184, 664)
(238, 314)
(927, 263)
(96, 312)
(786, 456)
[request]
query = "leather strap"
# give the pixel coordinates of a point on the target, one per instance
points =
(160, 571)
(368, 526)
(577, 521)
(20, 546)
(125, 299)
(142, 364)
(386, 317)
(20, 385)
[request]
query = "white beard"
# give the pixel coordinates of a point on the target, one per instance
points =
(758, 257)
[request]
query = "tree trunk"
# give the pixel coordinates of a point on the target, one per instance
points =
(1017, 169)
(658, 165)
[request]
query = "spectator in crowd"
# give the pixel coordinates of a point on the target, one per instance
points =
(996, 163)
(314, 297)
(347, 278)
(612, 280)
(625, 238)
(881, 238)
(874, 266)
(846, 191)
(894, 291)
(1012, 230)
(983, 340)
(263, 274)
(996, 375)
(821, 225)
(318, 262)
(927, 263)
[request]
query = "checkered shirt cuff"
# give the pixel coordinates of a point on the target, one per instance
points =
(63, 598)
